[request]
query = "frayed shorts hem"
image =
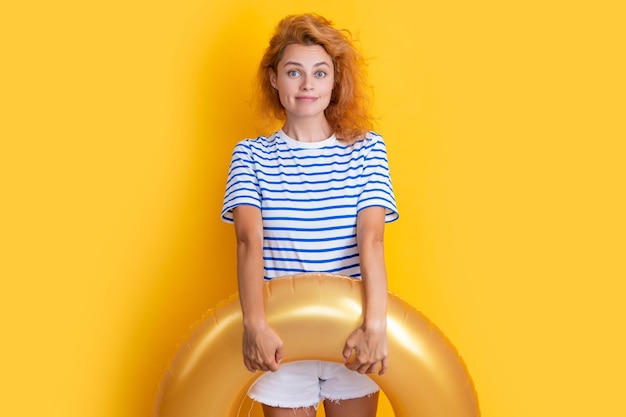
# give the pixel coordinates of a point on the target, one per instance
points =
(307, 383)
(353, 395)
(284, 404)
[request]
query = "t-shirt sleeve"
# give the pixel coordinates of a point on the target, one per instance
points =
(242, 185)
(377, 190)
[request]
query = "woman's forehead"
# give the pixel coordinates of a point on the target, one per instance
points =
(305, 55)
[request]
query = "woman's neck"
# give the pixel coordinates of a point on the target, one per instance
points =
(304, 130)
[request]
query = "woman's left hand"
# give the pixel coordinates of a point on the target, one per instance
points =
(366, 351)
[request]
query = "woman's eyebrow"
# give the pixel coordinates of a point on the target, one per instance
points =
(318, 64)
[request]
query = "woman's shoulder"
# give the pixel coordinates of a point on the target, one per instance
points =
(372, 136)
(260, 140)
(368, 137)
(370, 140)
(260, 143)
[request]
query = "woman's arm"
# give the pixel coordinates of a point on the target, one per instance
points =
(262, 348)
(369, 341)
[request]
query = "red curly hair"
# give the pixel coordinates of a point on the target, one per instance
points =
(348, 112)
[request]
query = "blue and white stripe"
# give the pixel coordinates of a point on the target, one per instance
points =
(309, 195)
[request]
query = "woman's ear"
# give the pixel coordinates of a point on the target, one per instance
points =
(273, 79)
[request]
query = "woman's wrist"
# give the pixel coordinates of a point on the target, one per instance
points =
(375, 324)
(255, 322)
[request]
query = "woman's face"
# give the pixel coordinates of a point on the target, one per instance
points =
(304, 79)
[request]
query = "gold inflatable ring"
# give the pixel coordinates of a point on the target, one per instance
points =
(314, 314)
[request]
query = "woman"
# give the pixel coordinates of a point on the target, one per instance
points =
(312, 197)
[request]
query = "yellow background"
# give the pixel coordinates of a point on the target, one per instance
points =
(505, 128)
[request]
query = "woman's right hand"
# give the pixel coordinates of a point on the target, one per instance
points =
(262, 348)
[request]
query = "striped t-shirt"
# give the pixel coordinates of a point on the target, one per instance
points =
(309, 195)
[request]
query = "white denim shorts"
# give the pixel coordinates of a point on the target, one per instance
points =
(306, 383)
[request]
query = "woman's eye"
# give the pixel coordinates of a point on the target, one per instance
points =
(320, 74)
(293, 73)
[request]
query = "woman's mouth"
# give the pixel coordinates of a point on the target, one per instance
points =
(306, 98)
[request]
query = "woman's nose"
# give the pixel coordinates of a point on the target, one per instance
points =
(306, 84)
